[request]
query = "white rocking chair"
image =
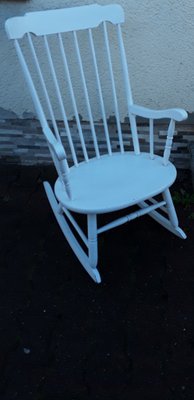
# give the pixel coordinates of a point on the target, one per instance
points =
(103, 183)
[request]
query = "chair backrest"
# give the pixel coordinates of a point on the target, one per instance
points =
(58, 23)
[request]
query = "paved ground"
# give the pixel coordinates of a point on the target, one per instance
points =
(64, 337)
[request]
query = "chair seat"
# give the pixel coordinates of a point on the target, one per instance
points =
(115, 182)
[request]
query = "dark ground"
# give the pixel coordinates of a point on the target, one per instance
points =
(64, 337)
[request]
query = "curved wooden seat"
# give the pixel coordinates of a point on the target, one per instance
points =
(114, 182)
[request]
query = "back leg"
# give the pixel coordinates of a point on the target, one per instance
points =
(171, 209)
(172, 213)
(171, 223)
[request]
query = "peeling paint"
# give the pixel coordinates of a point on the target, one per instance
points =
(7, 114)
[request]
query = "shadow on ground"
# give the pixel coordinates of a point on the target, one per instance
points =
(64, 337)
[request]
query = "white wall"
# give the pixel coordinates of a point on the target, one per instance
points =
(159, 40)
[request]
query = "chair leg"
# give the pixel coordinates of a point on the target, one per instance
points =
(79, 252)
(92, 240)
(170, 207)
(172, 213)
(170, 223)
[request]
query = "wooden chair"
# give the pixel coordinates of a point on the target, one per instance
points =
(101, 183)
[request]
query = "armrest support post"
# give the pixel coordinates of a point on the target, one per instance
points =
(174, 114)
(59, 158)
(55, 145)
(169, 139)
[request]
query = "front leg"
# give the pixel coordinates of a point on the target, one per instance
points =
(92, 240)
(88, 262)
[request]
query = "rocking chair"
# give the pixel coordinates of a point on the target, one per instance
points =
(102, 183)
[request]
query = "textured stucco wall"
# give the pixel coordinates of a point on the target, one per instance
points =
(159, 40)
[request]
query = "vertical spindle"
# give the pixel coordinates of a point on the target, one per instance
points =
(128, 90)
(151, 137)
(86, 94)
(100, 92)
(169, 140)
(58, 92)
(113, 87)
(43, 86)
(66, 67)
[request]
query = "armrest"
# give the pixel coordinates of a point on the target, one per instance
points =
(177, 114)
(54, 143)
(59, 152)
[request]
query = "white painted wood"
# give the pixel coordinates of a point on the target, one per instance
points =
(113, 87)
(57, 163)
(164, 222)
(125, 66)
(86, 94)
(63, 20)
(128, 90)
(133, 125)
(92, 240)
(64, 177)
(82, 257)
(151, 131)
(76, 226)
(60, 100)
(105, 183)
(170, 207)
(130, 217)
(29, 81)
(177, 114)
(59, 158)
(100, 92)
(174, 114)
(154, 201)
(56, 145)
(43, 86)
(64, 58)
(169, 139)
(115, 182)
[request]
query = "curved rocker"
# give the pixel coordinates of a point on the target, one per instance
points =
(165, 222)
(81, 255)
(172, 223)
